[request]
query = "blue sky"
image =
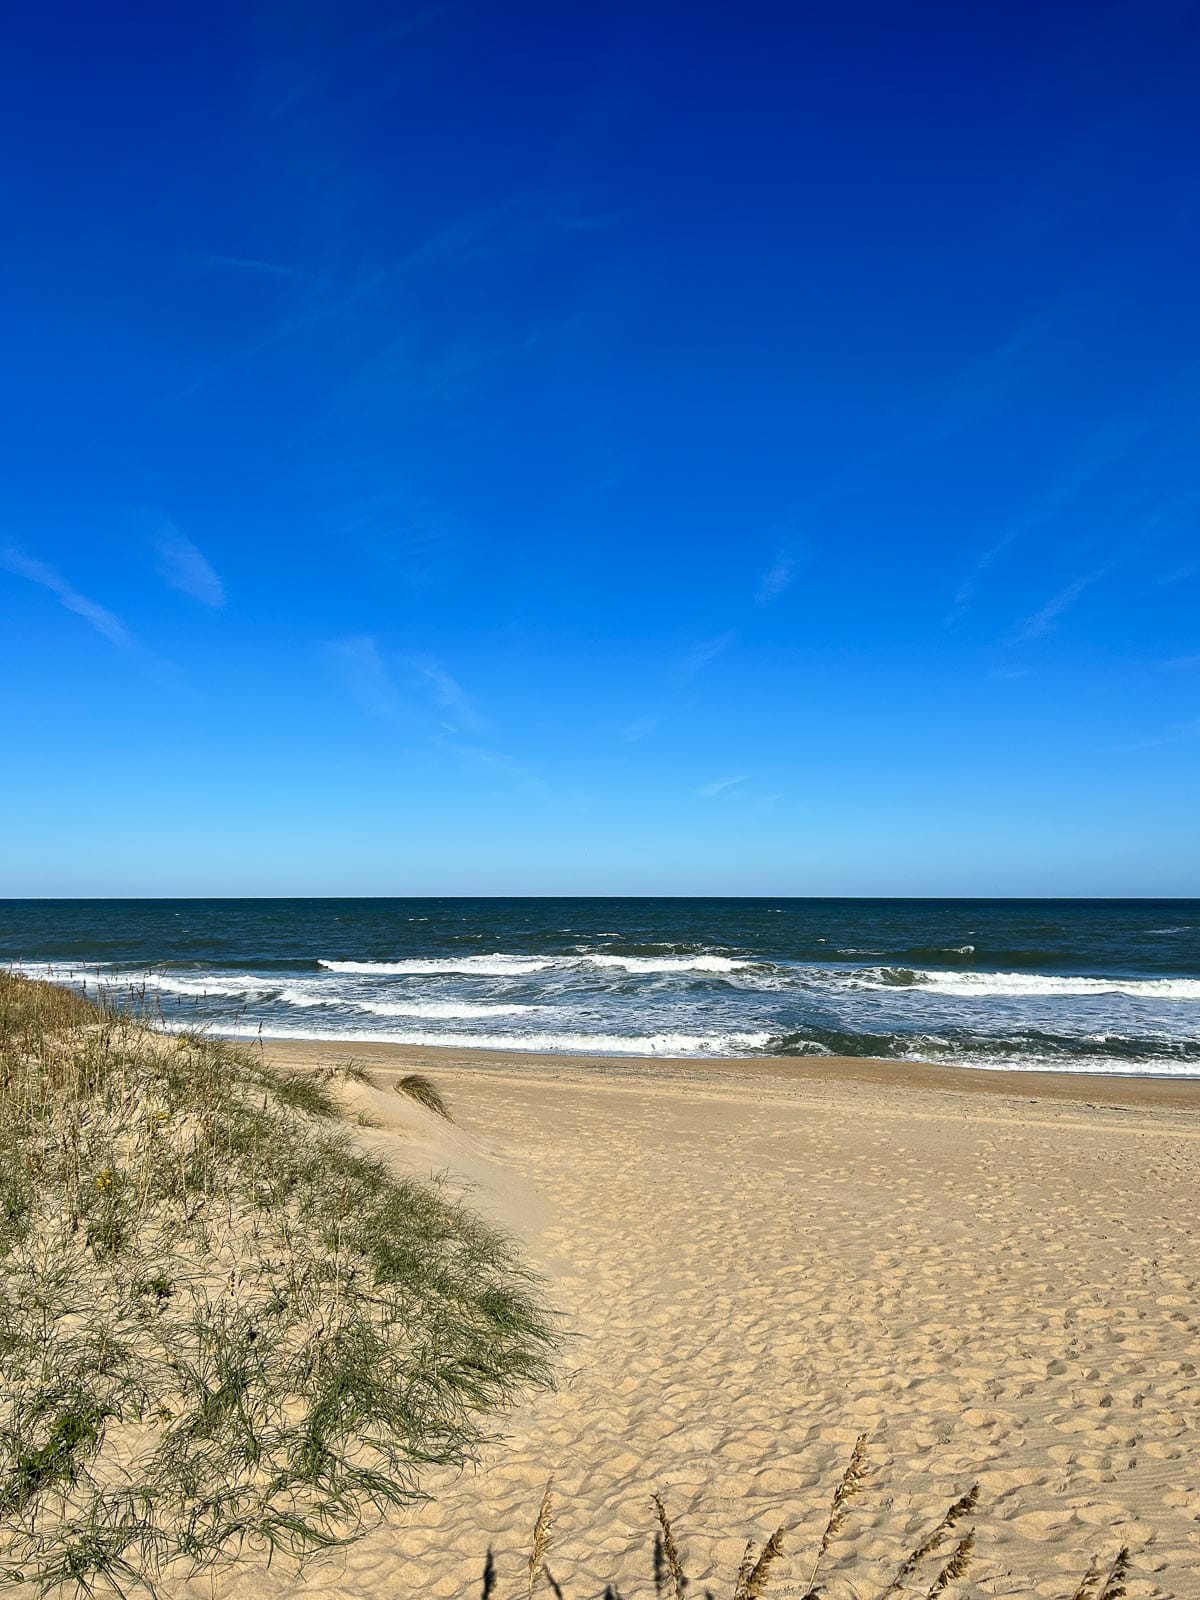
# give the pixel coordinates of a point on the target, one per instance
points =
(613, 449)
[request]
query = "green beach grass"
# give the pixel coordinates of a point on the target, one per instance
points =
(223, 1329)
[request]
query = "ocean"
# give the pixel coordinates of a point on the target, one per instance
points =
(1072, 985)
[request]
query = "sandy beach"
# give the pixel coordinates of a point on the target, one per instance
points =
(992, 1276)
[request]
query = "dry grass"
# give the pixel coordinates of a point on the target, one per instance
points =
(425, 1092)
(754, 1576)
(850, 1484)
(541, 1542)
(668, 1568)
(222, 1327)
(914, 1575)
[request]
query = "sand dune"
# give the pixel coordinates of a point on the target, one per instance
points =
(754, 1267)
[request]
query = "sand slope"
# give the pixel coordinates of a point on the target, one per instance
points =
(752, 1269)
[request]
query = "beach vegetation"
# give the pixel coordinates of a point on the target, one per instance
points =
(224, 1328)
(425, 1092)
(936, 1562)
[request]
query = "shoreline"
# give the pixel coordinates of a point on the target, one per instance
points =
(868, 1072)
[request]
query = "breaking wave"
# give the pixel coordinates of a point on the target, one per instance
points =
(598, 1044)
(1024, 985)
(494, 966)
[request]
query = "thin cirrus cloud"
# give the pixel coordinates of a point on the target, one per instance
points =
(1044, 620)
(722, 786)
(186, 568)
(448, 692)
(14, 560)
(707, 650)
(1177, 733)
(1110, 446)
(639, 728)
(359, 666)
(776, 579)
(360, 669)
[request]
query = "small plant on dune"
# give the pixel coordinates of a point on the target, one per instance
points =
(1101, 1584)
(223, 1328)
(541, 1543)
(754, 1574)
(425, 1092)
(304, 1091)
(758, 1566)
(350, 1071)
(850, 1484)
(933, 1541)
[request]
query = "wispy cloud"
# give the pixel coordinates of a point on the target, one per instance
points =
(217, 260)
(776, 579)
(1103, 450)
(1179, 574)
(708, 790)
(357, 663)
(14, 560)
(707, 650)
(640, 728)
(1178, 733)
(1043, 620)
(495, 763)
(448, 692)
(1181, 663)
(185, 568)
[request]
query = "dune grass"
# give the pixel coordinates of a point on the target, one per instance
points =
(937, 1563)
(223, 1328)
(425, 1092)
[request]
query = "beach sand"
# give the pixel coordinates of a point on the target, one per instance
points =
(993, 1276)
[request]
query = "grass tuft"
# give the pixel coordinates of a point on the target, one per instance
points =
(753, 1580)
(304, 1091)
(423, 1090)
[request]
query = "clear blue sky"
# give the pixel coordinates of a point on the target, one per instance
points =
(650, 448)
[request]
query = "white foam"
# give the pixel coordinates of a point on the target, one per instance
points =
(1030, 985)
(295, 996)
(608, 1044)
(667, 963)
(493, 966)
(509, 966)
(117, 982)
(1087, 1066)
(447, 1010)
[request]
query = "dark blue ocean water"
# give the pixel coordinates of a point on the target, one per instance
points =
(1100, 985)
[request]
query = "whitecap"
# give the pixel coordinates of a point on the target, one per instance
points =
(667, 963)
(493, 966)
(1026, 985)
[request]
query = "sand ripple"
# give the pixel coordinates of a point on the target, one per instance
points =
(752, 1273)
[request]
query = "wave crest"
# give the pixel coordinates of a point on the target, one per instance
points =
(491, 966)
(1024, 985)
